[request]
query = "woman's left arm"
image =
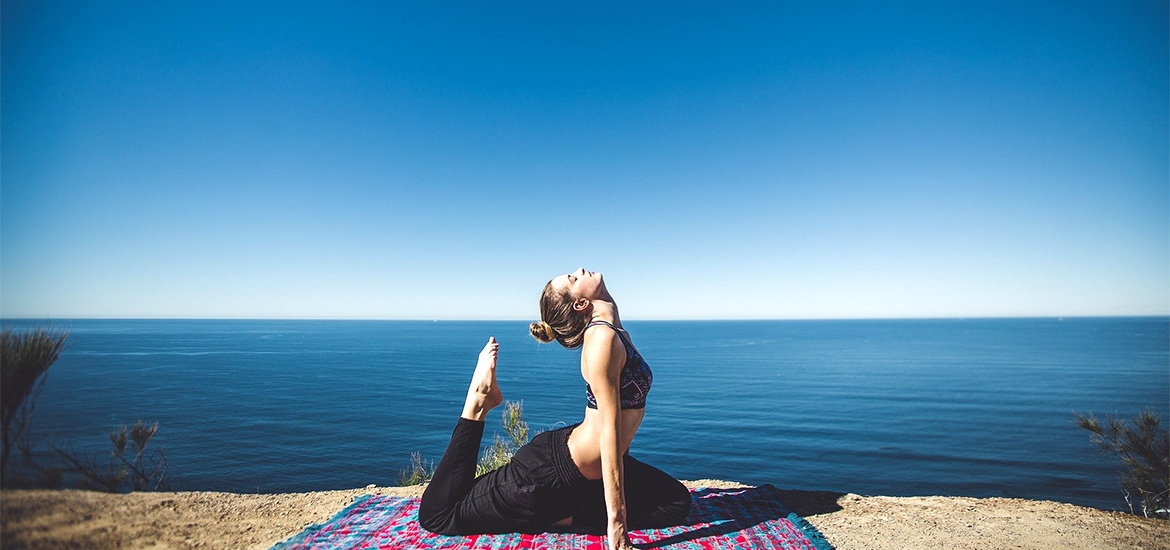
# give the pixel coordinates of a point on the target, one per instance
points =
(602, 366)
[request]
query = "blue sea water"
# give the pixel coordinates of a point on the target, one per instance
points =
(976, 407)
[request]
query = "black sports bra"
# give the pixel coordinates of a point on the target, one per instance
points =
(636, 376)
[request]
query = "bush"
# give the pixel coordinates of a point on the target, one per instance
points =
(25, 357)
(24, 363)
(136, 471)
(417, 473)
(502, 450)
(498, 454)
(1144, 448)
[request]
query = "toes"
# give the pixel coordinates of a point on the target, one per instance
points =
(490, 350)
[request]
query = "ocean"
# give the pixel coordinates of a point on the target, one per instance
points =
(974, 407)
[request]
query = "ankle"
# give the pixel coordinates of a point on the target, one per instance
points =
(474, 413)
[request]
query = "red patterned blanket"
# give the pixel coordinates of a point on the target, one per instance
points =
(719, 518)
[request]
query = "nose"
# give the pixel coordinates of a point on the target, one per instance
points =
(582, 270)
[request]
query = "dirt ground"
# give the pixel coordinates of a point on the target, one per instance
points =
(82, 519)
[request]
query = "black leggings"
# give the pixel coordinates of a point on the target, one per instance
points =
(539, 487)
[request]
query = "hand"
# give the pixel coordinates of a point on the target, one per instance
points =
(619, 539)
(623, 544)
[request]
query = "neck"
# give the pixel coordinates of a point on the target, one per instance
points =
(606, 311)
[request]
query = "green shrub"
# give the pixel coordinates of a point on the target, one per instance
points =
(502, 449)
(24, 363)
(137, 470)
(499, 453)
(25, 358)
(417, 473)
(1144, 448)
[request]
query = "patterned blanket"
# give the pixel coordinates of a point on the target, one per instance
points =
(719, 518)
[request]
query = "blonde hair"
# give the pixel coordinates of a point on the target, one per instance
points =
(558, 321)
(542, 331)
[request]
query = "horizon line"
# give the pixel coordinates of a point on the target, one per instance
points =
(635, 319)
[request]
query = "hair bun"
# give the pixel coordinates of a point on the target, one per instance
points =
(542, 331)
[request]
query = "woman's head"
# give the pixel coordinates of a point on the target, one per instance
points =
(566, 307)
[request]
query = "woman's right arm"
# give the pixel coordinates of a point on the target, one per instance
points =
(601, 366)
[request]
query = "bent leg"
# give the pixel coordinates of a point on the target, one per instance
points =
(528, 494)
(455, 475)
(653, 498)
(453, 479)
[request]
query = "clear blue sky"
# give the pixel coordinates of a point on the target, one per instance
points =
(443, 160)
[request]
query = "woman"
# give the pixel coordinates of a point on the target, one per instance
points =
(580, 477)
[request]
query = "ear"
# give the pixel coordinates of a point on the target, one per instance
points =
(582, 304)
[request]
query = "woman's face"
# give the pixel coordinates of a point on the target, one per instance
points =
(582, 284)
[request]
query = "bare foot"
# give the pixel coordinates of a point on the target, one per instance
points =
(484, 394)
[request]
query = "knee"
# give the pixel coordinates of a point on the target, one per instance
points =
(437, 526)
(429, 521)
(432, 520)
(669, 508)
(678, 504)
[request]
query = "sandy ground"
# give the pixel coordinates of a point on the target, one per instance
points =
(82, 519)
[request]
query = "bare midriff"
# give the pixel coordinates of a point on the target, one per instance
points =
(585, 441)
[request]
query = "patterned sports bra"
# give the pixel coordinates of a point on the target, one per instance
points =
(635, 378)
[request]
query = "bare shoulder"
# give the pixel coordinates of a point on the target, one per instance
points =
(601, 335)
(602, 351)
